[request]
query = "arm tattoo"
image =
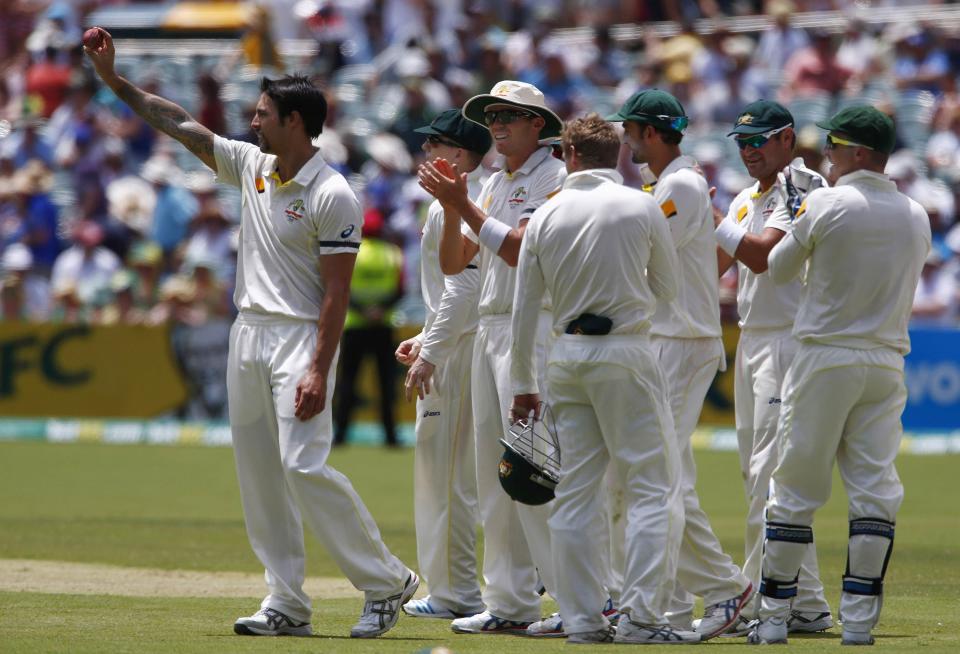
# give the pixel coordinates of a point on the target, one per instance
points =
(171, 119)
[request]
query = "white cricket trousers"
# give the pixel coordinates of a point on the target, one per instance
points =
(843, 405)
(704, 569)
(445, 485)
(283, 472)
(610, 402)
(516, 538)
(763, 357)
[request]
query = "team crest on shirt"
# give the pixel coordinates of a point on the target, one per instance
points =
(294, 210)
(519, 197)
(769, 205)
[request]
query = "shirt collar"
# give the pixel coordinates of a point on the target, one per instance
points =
(476, 174)
(593, 176)
(877, 179)
(683, 161)
(538, 157)
(303, 177)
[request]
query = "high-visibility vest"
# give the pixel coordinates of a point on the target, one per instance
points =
(376, 278)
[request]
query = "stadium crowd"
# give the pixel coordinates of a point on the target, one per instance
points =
(102, 220)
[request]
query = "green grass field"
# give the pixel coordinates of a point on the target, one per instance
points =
(177, 508)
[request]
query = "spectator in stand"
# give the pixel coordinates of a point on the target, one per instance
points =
(40, 221)
(87, 265)
(943, 148)
(176, 305)
(608, 64)
(146, 259)
(210, 239)
(13, 305)
(130, 206)
(211, 114)
(564, 90)
(26, 144)
(17, 266)
(859, 48)
(48, 80)
(904, 168)
(123, 309)
(935, 302)
(920, 62)
(257, 44)
(815, 69)
(776, 46)
(175, 204)
(67, 307)
(211, 299)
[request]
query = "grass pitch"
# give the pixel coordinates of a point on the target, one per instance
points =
(178, 508)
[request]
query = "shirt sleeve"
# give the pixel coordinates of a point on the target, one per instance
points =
(338, 218)
(461, 295)
(681, 201)
(786, 258)
(663, 266)
(231, 157)
(526, 309)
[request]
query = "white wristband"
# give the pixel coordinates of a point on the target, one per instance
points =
(729, 235)
(492, 233)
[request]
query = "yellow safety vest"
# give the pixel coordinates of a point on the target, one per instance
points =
(376, 278)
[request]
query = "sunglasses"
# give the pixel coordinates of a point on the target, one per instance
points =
(676, 123)
(433, 139)
(758, 140)
(505, 116)
(834, 141)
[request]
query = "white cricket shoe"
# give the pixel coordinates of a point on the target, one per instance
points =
(428, 608)
(380, 615)
(740, 628)
(630, 632)
(719, 617)
(769, 631)
(270, 622)
(488, 623)
(551, 627)
(804, 622)
(592, 637)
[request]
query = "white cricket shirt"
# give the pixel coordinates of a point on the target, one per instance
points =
(866, 243)
(511, 197)
(761, 303)
(598, 247)
(684, 198)
(285, 228)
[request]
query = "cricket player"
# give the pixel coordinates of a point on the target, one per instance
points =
(300, 230)
(516, 536)
(604, 253)
(863, 245)
(685, 335)
(757, 219)
(445, 468)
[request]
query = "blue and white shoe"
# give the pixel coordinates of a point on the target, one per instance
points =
(719, 617)
(487, 623)
(270, 622)
(381, 614)
(551, 627)
(428, 608)
(804, 622)
(630, 632)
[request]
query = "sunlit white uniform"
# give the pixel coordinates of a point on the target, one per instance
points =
(281, 461)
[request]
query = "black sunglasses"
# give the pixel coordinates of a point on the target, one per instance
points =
(505, 116)
(433, 139)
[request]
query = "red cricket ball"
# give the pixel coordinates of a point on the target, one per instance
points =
(93, 38)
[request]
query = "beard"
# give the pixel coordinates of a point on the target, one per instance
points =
(264, 144)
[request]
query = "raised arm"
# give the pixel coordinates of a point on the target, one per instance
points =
(163, 115)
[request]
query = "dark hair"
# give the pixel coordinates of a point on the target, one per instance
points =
(669, 136)
(297, 93)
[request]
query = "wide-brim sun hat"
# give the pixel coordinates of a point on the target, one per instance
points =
(521, 95)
